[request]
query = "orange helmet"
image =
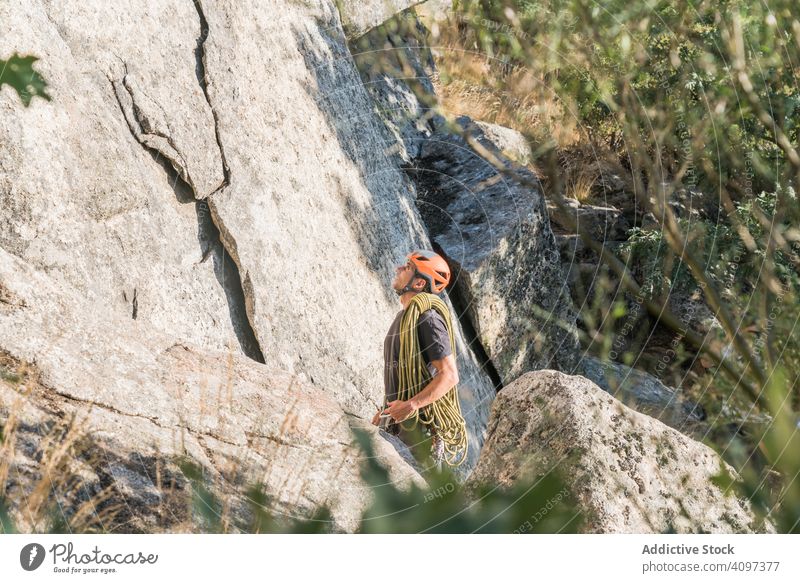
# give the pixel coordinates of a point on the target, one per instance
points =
(431, 267)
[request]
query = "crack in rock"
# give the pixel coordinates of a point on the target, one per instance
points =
(154, 135)
(460, 303)
(154, 420)
(150, 131)
(245, 291)
(202, 77)
(255, 435)
(225, 237)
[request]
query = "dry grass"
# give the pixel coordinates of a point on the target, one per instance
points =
(469, 83)
(56, 496)
(580, 186)
(54, 477)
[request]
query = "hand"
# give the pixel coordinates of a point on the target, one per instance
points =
(400, 410)
(377, 419)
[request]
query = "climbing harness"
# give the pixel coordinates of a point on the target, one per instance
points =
(443, 417)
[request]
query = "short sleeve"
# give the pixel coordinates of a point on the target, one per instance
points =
(434, 340)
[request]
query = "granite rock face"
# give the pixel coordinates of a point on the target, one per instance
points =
(144, 398)
(100, 208)
(359, 16)
(396, 67)
(497, 238)
(208, 175)
(629, 472)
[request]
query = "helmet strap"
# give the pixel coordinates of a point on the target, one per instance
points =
(408, 287)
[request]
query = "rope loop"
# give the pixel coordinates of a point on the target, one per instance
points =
(443, 416)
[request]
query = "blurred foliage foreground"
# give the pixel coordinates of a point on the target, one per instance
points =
(693, 104)
(57, 500)
(543, 505)
(17, 72)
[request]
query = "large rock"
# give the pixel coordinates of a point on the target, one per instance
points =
(359, 16)
(144, 398)
(645, 393)
(396, 67)
(217, 174)
(630, 473)
(496, 235)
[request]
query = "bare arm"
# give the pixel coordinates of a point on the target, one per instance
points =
(446, 377)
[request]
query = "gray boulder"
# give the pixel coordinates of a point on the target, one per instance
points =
(511, 143)
(104, 210)
(629, 472)
(497, 238)
(645, 393)
(602, 223)
(359, 16)
(396, 68)
(692, 311)
(318, 221)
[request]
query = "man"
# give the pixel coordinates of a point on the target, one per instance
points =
(424, 271)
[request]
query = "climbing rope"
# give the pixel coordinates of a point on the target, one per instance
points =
(443, 416)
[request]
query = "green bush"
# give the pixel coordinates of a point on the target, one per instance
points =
(688, 95)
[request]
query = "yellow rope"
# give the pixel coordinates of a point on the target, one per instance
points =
(444, 414)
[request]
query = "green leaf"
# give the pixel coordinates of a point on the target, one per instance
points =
(723, 480)
(19, 74)
(6, 524)
(205, 504)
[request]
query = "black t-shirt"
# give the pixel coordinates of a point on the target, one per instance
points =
(434, 342)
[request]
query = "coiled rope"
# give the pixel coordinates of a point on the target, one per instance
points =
(443, 416)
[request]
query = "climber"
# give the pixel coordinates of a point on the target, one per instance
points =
(420, 373)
